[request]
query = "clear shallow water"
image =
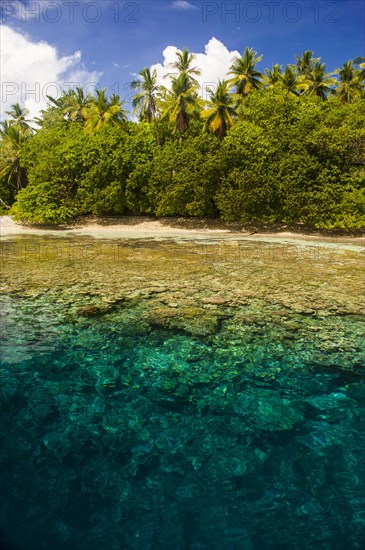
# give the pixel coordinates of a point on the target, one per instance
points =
(120, 435)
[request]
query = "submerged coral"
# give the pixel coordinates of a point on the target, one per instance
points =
(183, 412)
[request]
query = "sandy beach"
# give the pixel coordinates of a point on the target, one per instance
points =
(140, 227)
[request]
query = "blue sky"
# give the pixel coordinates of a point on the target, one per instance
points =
(108, 41)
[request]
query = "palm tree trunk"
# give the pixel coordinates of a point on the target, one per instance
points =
(19, 179)
(4, 203)
(156, 130)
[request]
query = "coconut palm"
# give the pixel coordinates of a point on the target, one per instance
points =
(100, 111)
(67, 107)
(13, 133)
(360, 61)
(115, 100)
(317, 82)
(18, 117)
(305, 63)
(12, 138)
(183, 66)
(245, 77)
(272, 76)
(145, 100)
(221, 112)
(181, 103)
(74, 102)
(349, 86)
(290, 80)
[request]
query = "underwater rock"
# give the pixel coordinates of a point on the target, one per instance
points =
(92, 311)
(193, 320)
(278, 415)
(160, 440)
(234, 462)
(215, 300)
(356, 391)
(250, 318)
(142, 451)
(269, 411)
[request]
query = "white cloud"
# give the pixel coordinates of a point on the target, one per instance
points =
(121, 65)
(32, 70)
(214, 65)
(183, 5)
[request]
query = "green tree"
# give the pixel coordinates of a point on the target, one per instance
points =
(305, 63)
(181, 103)
(145, 100)
(317, 82)
(360, 61)
(289, 158)
(349, 88)
(10, 169)
(53, 161)
(100, 111)
(75, 102)
(290, 80)
(182, 178)
(245, 76)
(221, 112)
(184, 60)
(295, 161)
(248, 188)
(272, 76)
(18, 118)
(14, 132)
(66, 108)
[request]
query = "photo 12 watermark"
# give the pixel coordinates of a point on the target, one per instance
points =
(40, 92)
(241, 252)
(270, 12)
(24, 252)
(70, 12)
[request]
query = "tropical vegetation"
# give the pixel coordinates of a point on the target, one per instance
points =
(283, 145)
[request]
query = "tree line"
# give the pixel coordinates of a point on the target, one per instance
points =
(285, 145)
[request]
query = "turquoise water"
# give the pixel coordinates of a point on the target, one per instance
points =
(118, 435)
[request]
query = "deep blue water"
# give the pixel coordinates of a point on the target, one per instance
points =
(119, 438)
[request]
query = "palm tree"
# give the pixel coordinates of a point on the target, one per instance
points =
(305, 64)
(246, 78)
(317, 82)
(221, 111)
(272, 76)
(349, 86)
(12, 138)
(290, 80)
(74, 102)
(145, 100)
(180, 103)
(18, 118)
(183, 66)
(100, 111)
(67, 107)
(13, 133)
(360, 61)
(115, 100)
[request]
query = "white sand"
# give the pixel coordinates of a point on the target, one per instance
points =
(175, 229)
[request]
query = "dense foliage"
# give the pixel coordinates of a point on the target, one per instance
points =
(287, 146)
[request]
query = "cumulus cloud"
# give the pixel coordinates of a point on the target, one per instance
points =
(32, 70)
(214, 65)
(183, 5)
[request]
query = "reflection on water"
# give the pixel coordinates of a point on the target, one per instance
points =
(152, 404)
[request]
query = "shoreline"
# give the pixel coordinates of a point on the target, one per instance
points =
(142, 227)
